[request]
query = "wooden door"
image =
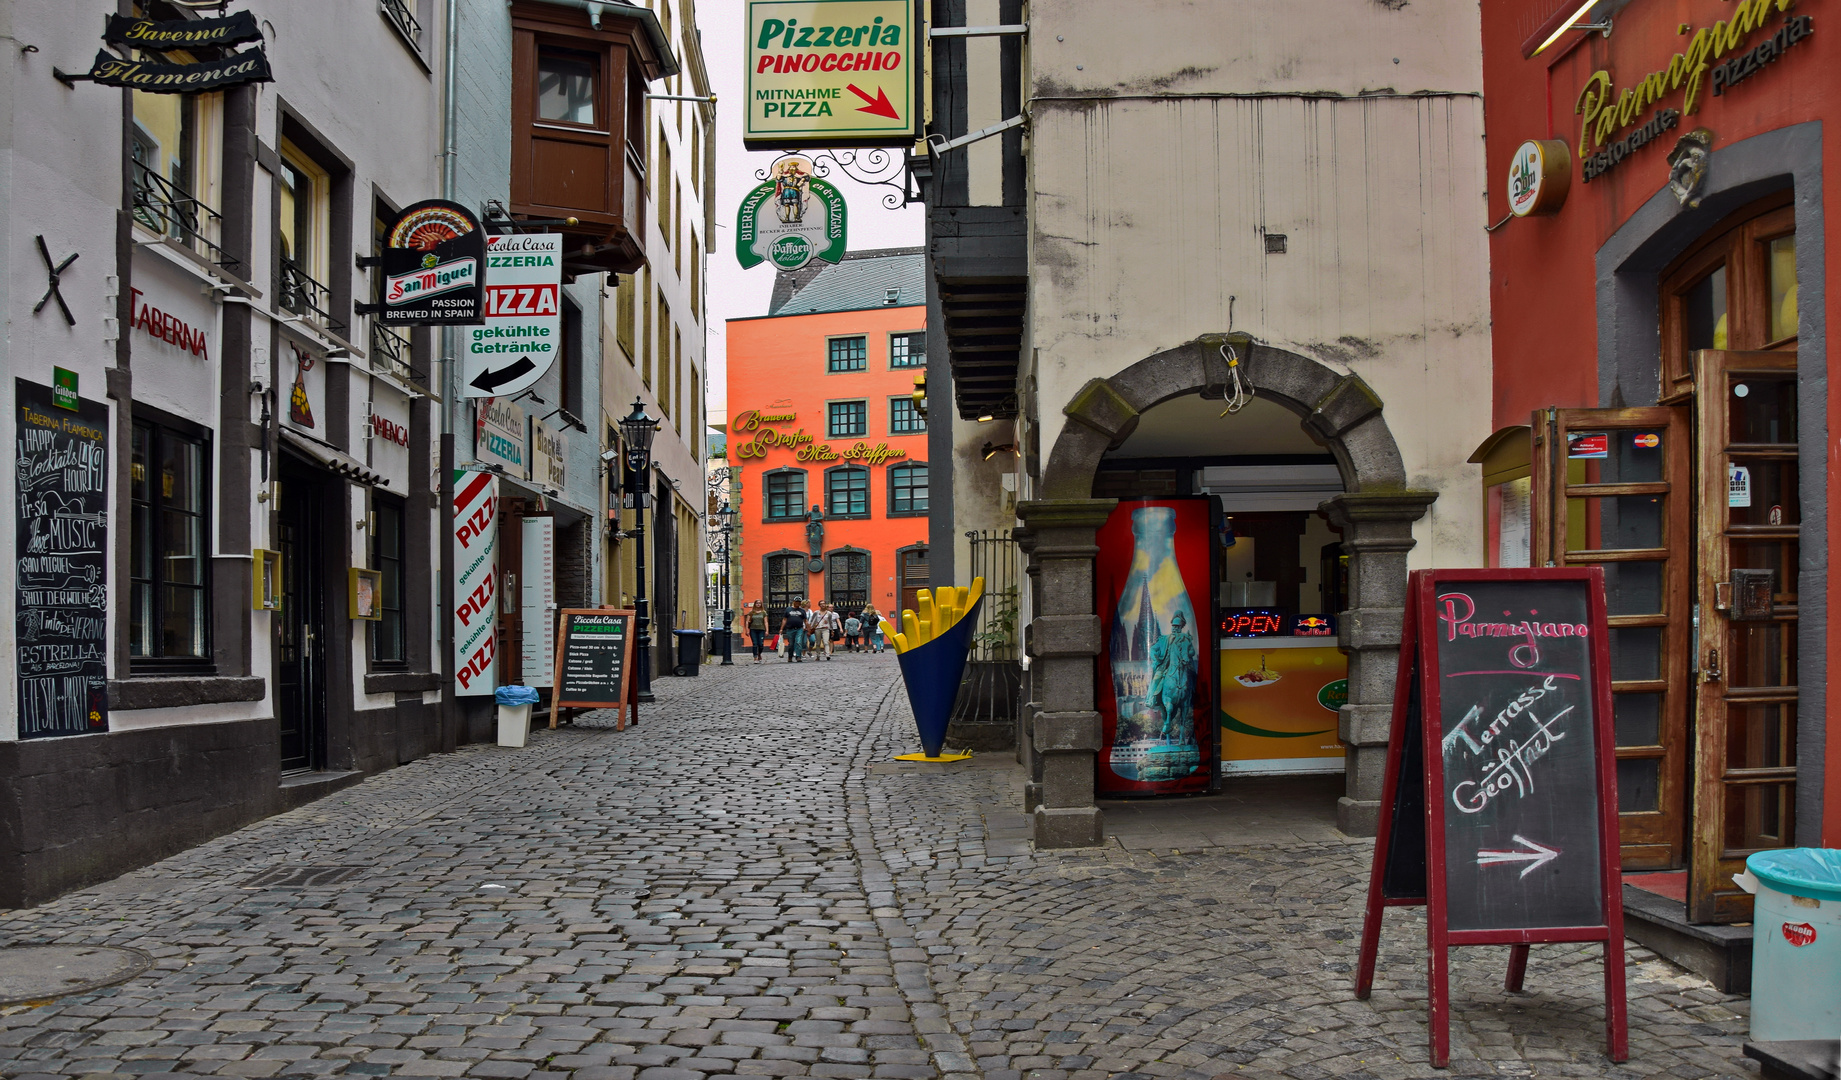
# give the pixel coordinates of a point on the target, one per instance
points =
(1613, 487)
(1745, 712)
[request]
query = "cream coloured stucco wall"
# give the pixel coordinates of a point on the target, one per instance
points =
(1164, 148)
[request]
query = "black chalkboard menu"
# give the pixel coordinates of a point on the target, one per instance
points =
(1498, 808)
(1518, 755)
(594, 649)
(61, 478)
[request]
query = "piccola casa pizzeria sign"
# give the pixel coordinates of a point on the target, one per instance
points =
(762, 437)
(1715, 60)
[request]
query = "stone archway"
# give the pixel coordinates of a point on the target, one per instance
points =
(1060, 726)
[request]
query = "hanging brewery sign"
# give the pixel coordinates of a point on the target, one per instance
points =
(232, 69)
(522, 332)
(1538, 177)
(434, 267)
(791, 219)
(832, 73)
(182, 33)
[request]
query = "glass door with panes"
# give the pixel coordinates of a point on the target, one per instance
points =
(1615, 492)
(1745, 746)
(1729, 334)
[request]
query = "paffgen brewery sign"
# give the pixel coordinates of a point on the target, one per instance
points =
(762, 435)
(1604, 110)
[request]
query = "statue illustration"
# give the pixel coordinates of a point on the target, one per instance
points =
(1173, 660)
(789, 186)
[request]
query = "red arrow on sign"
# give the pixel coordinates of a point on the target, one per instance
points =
(878, 105)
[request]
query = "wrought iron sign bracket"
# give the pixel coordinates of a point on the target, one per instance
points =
(872, 168)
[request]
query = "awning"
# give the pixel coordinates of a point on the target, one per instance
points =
(332, 458)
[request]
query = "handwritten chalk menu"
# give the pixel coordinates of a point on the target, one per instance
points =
(1518, 750)
(61, 477)
(1498, 807)
(594, 649)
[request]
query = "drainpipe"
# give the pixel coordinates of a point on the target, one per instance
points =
(449, 729)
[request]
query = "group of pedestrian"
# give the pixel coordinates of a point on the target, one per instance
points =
(814, 630)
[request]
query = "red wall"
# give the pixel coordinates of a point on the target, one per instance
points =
(778, 365)
(1542, 271)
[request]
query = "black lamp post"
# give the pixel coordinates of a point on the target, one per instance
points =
(725, 521)
(637, 429)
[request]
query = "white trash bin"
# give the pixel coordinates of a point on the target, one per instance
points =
(1796, 943)
(514, 724)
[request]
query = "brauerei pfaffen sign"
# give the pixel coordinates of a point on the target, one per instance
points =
(832, 73)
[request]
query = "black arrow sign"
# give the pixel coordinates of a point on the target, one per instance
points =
(490, 380)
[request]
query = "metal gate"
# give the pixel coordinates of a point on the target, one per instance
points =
(993, 683)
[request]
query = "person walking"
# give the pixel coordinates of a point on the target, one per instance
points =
(872, 628)
(822, 632)
(853, 627)
(793, 630)
(757, 628)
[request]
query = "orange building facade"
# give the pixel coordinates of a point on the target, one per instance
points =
(824, 438)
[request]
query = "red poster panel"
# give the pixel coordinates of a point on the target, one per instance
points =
(1154, 584)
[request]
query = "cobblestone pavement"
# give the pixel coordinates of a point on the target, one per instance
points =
(745, 885)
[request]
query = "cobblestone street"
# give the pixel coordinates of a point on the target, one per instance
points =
(745, 884)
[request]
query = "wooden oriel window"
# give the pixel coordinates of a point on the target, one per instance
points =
(577, 151)
(1733, 290)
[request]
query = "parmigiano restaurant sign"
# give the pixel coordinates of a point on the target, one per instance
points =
(833, 73)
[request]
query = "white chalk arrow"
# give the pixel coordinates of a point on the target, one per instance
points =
(1536, 857)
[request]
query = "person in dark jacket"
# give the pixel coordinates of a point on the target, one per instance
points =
(793, 629)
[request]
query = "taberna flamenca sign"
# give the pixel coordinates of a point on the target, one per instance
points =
(434, 267)
(791, 219)
(230, 69)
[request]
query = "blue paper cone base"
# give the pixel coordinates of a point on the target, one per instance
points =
(933, 673)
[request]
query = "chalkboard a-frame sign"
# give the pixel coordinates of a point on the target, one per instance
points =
(1499, 806)
(594, 652)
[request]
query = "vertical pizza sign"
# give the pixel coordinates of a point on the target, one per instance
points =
(476, 541)
(434, 267)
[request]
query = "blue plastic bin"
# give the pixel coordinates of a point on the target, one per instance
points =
(1796, 943)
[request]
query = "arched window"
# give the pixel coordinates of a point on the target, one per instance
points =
(786, 581)
(847, 492)
(785, 494)
(908, 488)
(847, 581)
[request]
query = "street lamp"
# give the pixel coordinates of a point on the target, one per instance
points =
(725, 522)
(636, 430)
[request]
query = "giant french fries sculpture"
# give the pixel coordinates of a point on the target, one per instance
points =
(932, 645)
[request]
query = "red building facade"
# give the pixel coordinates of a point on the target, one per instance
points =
(825, 437)
(1661, 396)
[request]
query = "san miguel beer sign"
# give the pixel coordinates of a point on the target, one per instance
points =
(434, 267)
(230, 69)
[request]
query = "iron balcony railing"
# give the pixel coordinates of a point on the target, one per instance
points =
(397, 11)
(390, 352)
(304, 296)
(169, 210)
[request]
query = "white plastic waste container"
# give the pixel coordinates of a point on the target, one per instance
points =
(514, 724)
(1796, 943)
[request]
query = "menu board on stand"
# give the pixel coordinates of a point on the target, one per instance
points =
(594, 652)
(61, 598)
(1499, 808)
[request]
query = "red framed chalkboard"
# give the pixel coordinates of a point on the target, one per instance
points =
(1499, 805)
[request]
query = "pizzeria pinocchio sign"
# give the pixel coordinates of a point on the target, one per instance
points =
(758, 432)
(1716, 59)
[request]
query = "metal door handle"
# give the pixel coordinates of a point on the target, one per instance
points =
(1712, 671)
